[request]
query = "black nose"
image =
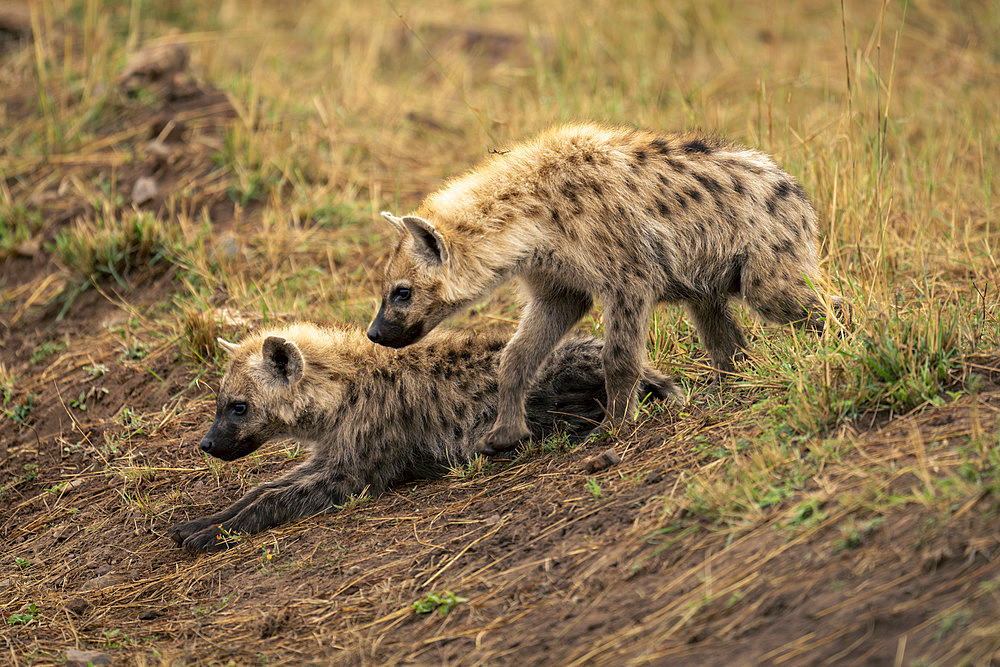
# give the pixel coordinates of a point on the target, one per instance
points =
(207, 445)
(374, 335)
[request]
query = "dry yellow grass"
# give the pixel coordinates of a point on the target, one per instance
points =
(835, 502)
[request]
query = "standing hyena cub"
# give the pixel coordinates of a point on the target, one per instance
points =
(374, 417)
(633, 217)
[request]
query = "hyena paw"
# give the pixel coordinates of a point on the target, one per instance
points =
(501, 438)
(213, 538)
(181, 531)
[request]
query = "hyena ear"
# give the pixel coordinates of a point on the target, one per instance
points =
(427, 240)
(283, 359)
(396, 223)
(226, 345)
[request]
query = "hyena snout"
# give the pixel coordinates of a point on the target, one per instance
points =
(390, 333)
(222, 442)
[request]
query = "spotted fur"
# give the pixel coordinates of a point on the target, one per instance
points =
(374, 417)
(630, 216)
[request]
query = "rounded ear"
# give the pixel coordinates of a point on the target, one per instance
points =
(427, 240)
(226, 345)
(396, 223)
(283, 359)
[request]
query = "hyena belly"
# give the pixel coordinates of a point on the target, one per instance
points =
(382, 420)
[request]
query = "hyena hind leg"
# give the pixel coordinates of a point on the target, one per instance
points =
(718, 331)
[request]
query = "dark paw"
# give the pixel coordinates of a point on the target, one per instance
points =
(181, 531)
(213, 538)
(501, 439)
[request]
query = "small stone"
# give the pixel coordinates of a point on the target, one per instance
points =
(932, 558)
(654, 477)
(158, 149)
(62, 532)
(78, 658)
(42, 198)
(220, 295)
(102, 581)
(492, 519)
(73, 484)
(78, 606)
(605, 459)
(28, 248)
(227, 247)
(145, 190)
(153, 64)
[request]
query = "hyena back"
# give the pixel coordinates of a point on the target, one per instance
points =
(374, 417)
(631, 216)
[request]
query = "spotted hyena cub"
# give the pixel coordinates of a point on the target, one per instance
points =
(630, 216)
(374, 417)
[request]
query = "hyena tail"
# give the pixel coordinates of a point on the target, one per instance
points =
(568, 389)
(790, 296)
(659, 386)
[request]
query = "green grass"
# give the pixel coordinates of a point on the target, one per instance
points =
(444, 602)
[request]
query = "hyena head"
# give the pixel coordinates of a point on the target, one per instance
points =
(256, 400)
(412, 301)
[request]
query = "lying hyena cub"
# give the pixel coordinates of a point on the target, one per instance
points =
(630, 216)
(373, 416)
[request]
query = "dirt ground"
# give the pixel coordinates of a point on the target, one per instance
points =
(550, 572)
(548, 564)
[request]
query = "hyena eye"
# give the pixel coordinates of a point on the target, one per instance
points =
(239, 409)
(400, 294)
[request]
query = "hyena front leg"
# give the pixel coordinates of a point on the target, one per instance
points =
(270, 505)
(550, 312)
(626, 321)
(719, 332)
(181, 531)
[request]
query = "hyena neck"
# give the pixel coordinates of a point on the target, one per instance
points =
(316, 421)
(482, 264)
